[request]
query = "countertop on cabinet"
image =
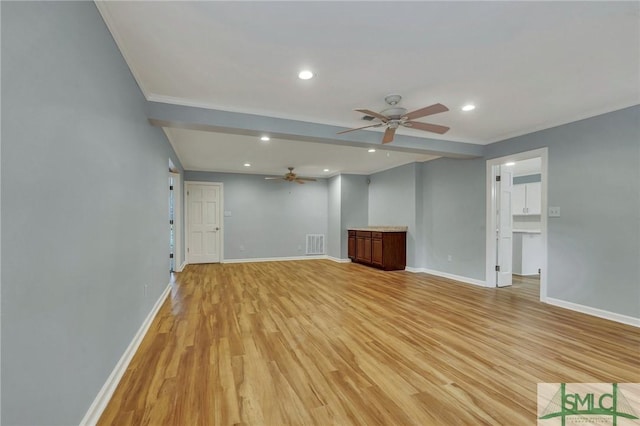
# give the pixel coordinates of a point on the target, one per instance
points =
(526, 231)
(381, 228)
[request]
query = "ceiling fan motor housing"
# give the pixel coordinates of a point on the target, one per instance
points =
(394, 113)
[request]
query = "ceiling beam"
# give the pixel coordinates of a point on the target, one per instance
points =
(193, 118)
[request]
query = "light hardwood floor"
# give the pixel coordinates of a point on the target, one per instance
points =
(317, 342)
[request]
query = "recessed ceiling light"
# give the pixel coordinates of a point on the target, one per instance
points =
(372, 150)
(510, 163)
(247, 164)
(265, 138)
(305, 75)
(468, 107)
(325, 170)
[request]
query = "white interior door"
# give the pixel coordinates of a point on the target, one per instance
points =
(504, 232)
(204, 235)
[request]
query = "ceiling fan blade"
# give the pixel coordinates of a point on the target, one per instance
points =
(373, 114)
(423, 112)
(299, 181)
(388, 135)
(435, 128)
(307, 179)
(359, 128)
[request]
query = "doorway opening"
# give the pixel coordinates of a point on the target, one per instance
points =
(516, 241)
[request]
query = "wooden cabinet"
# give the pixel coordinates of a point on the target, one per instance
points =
(385, 250)
(352, 245)
(526, 199)
(376, 251)
(363, 246)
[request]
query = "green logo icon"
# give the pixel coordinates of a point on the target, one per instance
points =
(587, 401)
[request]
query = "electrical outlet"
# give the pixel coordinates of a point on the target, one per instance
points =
(241, 247)
(146, 286)
(554, 211)
(450, 258)
(299, 248)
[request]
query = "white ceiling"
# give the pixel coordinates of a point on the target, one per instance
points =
(526, 65)
(206, 151)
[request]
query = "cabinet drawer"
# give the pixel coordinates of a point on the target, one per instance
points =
(365, 234)
(377, 235)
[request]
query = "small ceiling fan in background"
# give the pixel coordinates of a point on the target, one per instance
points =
(291, 177)
(395, 116)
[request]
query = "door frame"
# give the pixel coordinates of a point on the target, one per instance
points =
(491, 247)
(220, 186)
(177, 220)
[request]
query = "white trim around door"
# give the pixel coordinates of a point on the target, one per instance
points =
(177, 220)
(490, 258)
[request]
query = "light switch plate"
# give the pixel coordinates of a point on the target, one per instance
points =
(227, 213)
(554, 211)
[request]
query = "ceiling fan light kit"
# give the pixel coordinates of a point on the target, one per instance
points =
(395, 116)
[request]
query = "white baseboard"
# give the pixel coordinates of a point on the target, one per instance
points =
(102, 399)
(181, 267)
(275, 259)
(279, 259)
(337, 259)
(460, 278)
(600, 313)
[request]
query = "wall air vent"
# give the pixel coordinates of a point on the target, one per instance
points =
(315, 244)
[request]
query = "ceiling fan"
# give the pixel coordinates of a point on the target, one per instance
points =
(395, 116)
(291, 177)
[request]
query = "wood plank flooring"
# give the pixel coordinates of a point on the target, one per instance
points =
(322, 343)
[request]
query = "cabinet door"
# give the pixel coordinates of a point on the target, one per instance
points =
(534, 198)
(518, 199)
(367, 250)
(363, 249)
(352, 247)
(532, 253)
(376, 252)
(360, 248)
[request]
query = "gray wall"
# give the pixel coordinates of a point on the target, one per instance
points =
(355, 207)
(268, 218)
(594, 177)
(392, 201)
(84, 210)
(334, 236)
(453, 216)
(442, 202)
